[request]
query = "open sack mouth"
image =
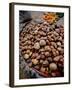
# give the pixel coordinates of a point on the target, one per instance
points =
(41, 44)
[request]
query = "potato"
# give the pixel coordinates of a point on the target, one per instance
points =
(26, 56)
(35, 61)
(42, 69)
(53, 66)
(37, 46)
(42, 42)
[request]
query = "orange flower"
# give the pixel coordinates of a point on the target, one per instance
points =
(50, 17)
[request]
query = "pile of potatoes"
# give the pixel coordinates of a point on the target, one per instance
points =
(42, 47)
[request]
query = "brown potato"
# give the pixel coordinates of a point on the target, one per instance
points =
(35, 61)
(42, 42)
(36, 45)
(53, 66)
(42, 69)
(57, 58)
(26, 56)
(46, 54)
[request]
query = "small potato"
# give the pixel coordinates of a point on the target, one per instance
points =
(29, 47)
(42, 42)
(47, 48)
(57, 52)
(53, 66)
(60, 49)
(46, 54)
(56, 58)
(54, 44)
(42, 56)
(54, 53)
(55, 33)
(59, 43)
(43, 38)
(41, 61)
(31, 36)
(37, 46)
(38, 57)
(45, 63)
(38, 36)
(42, 33)
(57, 30)
(37, 39)
(36, 32)
(28, 51)
(26, 56)
(42, 50)
(42, 69)
(24, 48)
(29, 42)
(60, 38)
(47, 69)
(25, 39)
(34, 55)
(52, 47)
(50, 59)
(45, 23)
(42, 53)
(35, 61)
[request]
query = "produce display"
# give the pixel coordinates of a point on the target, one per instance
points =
(42, 46)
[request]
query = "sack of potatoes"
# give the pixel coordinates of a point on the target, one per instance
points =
(41, 45)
